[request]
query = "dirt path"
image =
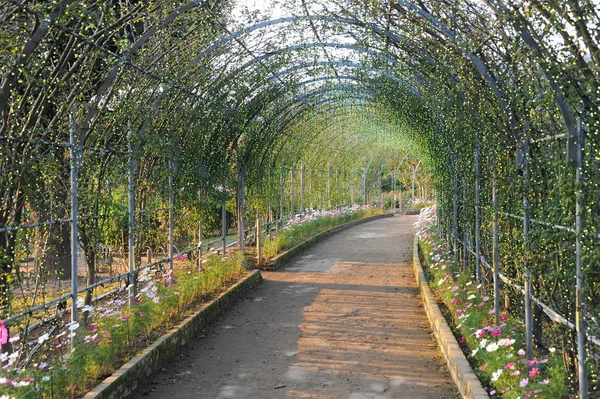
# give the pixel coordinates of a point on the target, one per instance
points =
(344, 320)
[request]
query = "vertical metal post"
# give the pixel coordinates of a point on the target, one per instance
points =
(580, 324)
(224, 213)
(200, 227)
(365, 186)
(75, 154)
(241, 203)
(171, 218)
(131, 175)
(379, 192)
(394, 192)
(477, 211)
(455, 220)
(281, 192)
(258, 240)
(526, 228)
(310, 188)
(465, 229)
(292, 199)
(270, 222)
(336, 189)
(352, 186)
(328, 186)
(302, 173)
(496, 254)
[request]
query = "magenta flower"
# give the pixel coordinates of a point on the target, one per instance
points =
(503, 318)
(496, 332)
(142, 314)
(534, 371)
(509, 366)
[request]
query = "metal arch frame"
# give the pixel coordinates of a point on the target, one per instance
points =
(289, 103)
(257, 60)
(349, 64)
(479, 65)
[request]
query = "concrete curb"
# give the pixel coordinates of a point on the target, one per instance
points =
(290, 253)
(123, 381)
(465, 379)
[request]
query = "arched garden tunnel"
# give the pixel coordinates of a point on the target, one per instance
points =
(132, 125)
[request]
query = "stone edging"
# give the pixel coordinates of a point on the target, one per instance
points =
(465, 379)
(123, 381)
(290, 253)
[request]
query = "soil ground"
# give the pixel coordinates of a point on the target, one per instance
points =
(343, 320)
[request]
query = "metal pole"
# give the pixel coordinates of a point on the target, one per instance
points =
(526, 228)
(281, 189)
(477, 212)
(258, 240)
(74, 150)
(336, 189)
(131, 215)
(224, 214)
(241, 205)
(302, 173)
(580, 324)
(379, 193)
(496, 254)
(455, 206)
(329, 186)
(292, 178)
(352, 187)
(364, 186)
(465, 229)
(310, 188)
(270, 222)
(200, 230)
(394, 192)
(171, 218)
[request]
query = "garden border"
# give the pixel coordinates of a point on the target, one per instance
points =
(465, 379)
(123, 381)
(285, 256)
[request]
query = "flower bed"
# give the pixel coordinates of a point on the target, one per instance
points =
(66, 360)
(303, 226)
(494, 350)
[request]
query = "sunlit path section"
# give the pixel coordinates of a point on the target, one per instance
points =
(344, 320)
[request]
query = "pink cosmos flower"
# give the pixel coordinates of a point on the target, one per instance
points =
(124, 317)
(534, 371)
(524, 382)
(528, 394)
(462, 341)
(509, 366)
(503, 318)
(142, 314)
(515, 373)
(521, 352)
(496, 332)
